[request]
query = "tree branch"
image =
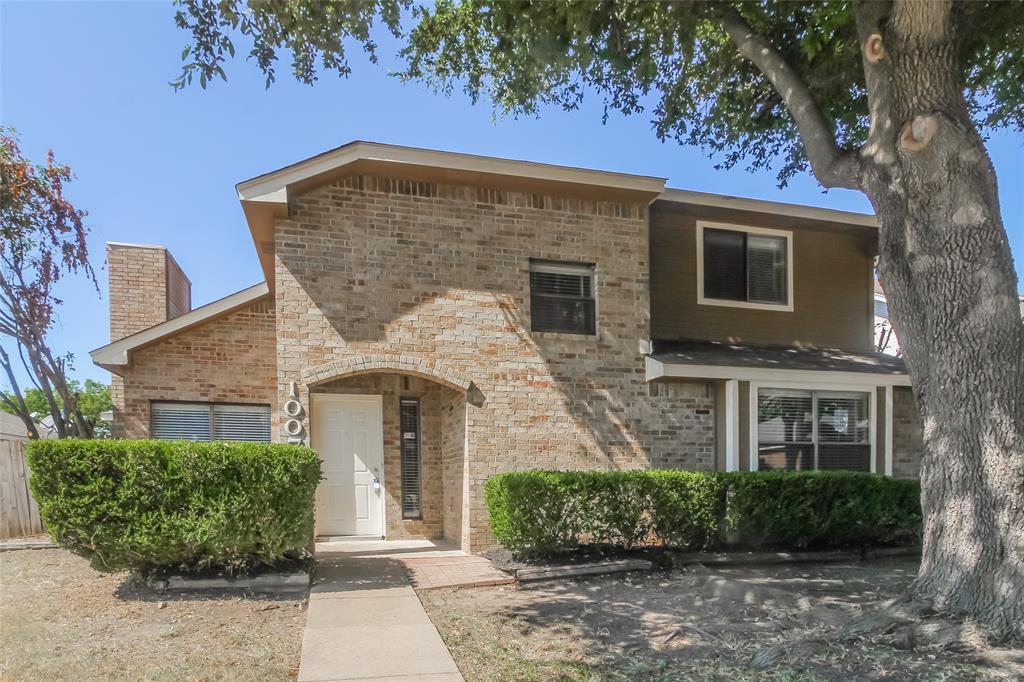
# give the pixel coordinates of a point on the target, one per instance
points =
(832, 166)
(18, 403)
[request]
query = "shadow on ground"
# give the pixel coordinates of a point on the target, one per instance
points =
(784, 622)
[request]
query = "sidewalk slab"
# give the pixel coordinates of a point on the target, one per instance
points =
(365, 622)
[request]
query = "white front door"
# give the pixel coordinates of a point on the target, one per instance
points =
(348, 434)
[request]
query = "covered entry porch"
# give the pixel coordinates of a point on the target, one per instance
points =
(393, 444)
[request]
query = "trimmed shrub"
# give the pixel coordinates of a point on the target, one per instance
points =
(545, 512)
(145, 505)
(821, 509)
(687, 507)
(533, 509)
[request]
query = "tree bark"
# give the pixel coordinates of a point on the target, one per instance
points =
(948, 272)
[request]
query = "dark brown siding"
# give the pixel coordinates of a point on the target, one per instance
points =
(832, 282)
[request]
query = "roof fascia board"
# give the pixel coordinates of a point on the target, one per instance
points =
(655, 369)
(684, 196)
(271, 187)
(116, 354)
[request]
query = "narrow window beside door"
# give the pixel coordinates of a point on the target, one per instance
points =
(409, 423)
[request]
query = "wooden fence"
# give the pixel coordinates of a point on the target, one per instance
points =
(19, 514)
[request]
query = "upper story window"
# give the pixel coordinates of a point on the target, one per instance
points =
(562, 298)
(744, 267)
(210, 421)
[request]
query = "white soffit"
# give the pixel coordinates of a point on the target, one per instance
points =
(271, 187)
(655, 369)
(116, 354)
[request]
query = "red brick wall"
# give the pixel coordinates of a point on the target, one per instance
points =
(229, 359)
(370, 265)
(138, 288)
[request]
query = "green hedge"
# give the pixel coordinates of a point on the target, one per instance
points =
(543, 512)
(150, 504)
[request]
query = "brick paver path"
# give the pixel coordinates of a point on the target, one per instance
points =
(453, 571)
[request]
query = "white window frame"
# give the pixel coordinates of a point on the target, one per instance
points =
(566, 268)
(870, 389)
(703, 300)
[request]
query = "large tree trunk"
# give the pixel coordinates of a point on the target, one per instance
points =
(947, 269)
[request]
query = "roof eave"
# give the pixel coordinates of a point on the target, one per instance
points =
(684, 196)
(656, 369)
(115, 356)
(268, 187)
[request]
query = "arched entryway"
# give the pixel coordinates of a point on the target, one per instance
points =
(391, 431)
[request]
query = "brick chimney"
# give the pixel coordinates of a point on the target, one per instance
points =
(147, 287)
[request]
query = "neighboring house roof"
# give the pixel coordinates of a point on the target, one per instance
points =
(117, 354)
(11, 427)
(720, 360)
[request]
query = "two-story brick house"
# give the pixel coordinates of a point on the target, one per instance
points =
(429, 319)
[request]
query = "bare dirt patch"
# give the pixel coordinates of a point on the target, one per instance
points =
(789, 622)
(62, 620)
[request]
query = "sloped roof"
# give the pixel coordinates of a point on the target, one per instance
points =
(118, 353)
(712, 359)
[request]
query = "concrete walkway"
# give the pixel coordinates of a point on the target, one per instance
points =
(365, 622)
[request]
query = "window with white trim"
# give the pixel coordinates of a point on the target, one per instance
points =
(562, 298)
(744, 267)
(802, 429)
(209, 421)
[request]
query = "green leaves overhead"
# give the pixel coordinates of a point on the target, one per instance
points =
(670, 61)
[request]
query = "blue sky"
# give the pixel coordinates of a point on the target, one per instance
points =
(90, 80)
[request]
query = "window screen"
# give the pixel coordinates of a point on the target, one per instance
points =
(562, 298)
(206, 421)
(741, 266)
(799, 430)
(411, 464)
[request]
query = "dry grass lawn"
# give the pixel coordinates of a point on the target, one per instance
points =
(61, 620)
(780, 623)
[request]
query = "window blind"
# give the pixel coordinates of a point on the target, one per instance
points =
(742, 266)
(206, 421)
(785, 430)
(409, 423)
(180, 421)
(844, 426)
(241, 422)
(562, 298)
(766, 269)
(813, 430)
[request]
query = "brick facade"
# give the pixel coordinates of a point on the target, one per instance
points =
(137, 277)
(437, 403)
(411, 289)
(907, 435)
(371, 266)
(230, 359)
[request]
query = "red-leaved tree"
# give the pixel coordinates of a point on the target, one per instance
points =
(42, 238)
